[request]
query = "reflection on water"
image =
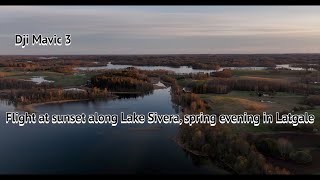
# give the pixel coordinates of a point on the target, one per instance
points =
(177, 70)
(98, 148)
(289, 67)
(187, 70)
(40, 80)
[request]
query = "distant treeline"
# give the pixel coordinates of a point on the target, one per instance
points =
(211, 61)
(12, 83)
(226, 85)
(30, 96)
(197, 61)
(128, 80)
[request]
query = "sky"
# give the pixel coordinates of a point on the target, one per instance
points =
(164, 29)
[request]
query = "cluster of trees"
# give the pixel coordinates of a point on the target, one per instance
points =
(283, 149)
(199, 76)
(19, 64)
(197, 61)
(12, 83)
(310, 78)
(128, 80)
(36, 63)
(190, 102)
(63, 69)
(234, 152)
(212, 61)
(197, 65)
(313, 100)
(225, 85)
(225, 73)
(30, 96)
(228, 148)
(2, 74)
(168, 79)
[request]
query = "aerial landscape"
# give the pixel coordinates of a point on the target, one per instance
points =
(58, 80)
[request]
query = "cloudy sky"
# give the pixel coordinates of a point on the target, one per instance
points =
(164, 29)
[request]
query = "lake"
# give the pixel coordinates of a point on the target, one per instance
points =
(95, 149)
(40, 79)
(177, 70)
(187, 70)
(289, 67)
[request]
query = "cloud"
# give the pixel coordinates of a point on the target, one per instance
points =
(148, 28)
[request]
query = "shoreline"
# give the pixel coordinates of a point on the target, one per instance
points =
(183, 146)
(30, 107)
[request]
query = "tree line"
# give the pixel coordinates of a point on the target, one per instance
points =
(12, 83)
(30, 96)
(226, 85)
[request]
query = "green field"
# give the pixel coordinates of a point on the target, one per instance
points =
(317, 86)
(289, 76)
(315, 112)
(267, 73)
(238, 102)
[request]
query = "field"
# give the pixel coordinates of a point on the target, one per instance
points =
(316, 112)
(237, 102)
(240, 101)
(272, 74)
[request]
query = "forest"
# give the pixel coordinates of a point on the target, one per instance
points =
(223, 86)
(37, 95)
(219, 143)
(128, 80)
(196, 61)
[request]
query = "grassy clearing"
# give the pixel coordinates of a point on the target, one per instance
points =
(290, 76)
(261, 78)
(234, 105)
(185, 82)
(315, 112)
(317, 86)
(266, 73)
(250, 72)
(238, 102)
(74, 80)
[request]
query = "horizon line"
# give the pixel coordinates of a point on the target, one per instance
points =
(156, 54)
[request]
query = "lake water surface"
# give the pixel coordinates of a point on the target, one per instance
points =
(94, 149)
(177, 70)
(187, 70)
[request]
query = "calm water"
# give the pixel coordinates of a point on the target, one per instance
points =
(289, 67)
(40, 80)
(178, 70)
(98, 148)
(187, 70)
